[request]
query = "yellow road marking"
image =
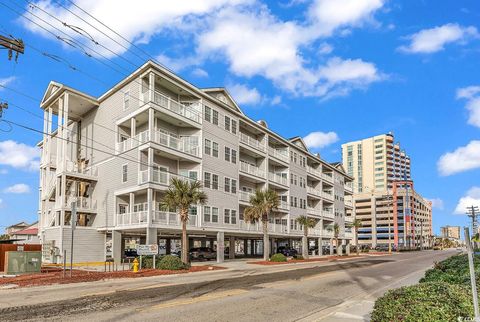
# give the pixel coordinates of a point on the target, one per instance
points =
(203, 298)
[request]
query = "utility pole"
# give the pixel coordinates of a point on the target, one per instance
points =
(472, 273)
(472, 212)
(73, 218)
(13, 45)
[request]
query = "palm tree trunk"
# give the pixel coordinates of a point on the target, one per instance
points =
(305, 243)
(266, 242)
(183, 218)
(356, 242)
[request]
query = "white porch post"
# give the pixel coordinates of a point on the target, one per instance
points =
(220, 246)
(133, 128)
(151, 86)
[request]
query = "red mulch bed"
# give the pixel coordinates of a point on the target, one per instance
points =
(292, 261)
(91, 276)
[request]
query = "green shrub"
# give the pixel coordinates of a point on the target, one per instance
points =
(299, 257)
(147, 261)
(453, 270)
(278, 258)
(171, 262)
(432, 301)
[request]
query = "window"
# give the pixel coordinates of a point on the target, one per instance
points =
(234, 156)
(227, 123)
(233, 216)
(295, 202)
(126, 100)
(206, 179)
(227, 184)
(227, 154)
(226, 216)
(215, 117)
(123, 208)
(207, 214)
(234, 127)
(214, 214)
(124, 173)
(215, 181)
(215, 149)
(234, 186)
(208, 114)
(208, 147)
(379, 157)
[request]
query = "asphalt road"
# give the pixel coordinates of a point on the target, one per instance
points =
(342, 291)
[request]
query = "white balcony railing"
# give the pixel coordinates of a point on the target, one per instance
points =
(314, 171)
(313, 211)
(244, 225)
(132, 218)
(327, 233)
(244, 196)
(278, 177)
(191, 112)
(279, 154)
(314, 232)
(182, 144)
(327, 177)
(158, 177)
(283, 205)
(172, 219)
(314, 191)
(328, 213)
(75, 168)
(82, 203)
(327, 195)
(348, 203)
(251, 169)
(250, 141)
(277, 228)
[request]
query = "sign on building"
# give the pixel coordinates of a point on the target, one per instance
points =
(147, 249)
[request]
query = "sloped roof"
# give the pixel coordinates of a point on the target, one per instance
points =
(298, 141)
(29, 231)
(228, 98)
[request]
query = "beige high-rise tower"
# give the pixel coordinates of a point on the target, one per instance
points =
(375, 163)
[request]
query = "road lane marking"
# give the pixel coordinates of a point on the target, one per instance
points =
(202, 298)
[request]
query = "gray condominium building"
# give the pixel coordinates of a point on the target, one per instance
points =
(113, 157)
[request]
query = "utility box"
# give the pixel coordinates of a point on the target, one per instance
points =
(23, 262)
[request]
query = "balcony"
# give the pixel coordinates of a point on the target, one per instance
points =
(327, 177)
(328, 195)
(314, 232)
(158, 177)
(166, 218)
(277, 228)
(328, 233)
(328, 213)
(314, 191)
(251, 169)
(278, 177)
(190, 112)
(348, 186)
(179, 144)
(348, 203)
(313, 171)
(247, 226)
(80, 170)
(284, 205)
(281, 155)
(313, 211)
(252, 142)
(132, 219)
(82, 203)
(245, 196)
(131, 143)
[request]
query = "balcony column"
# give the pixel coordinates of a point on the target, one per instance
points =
(151, 87)
(331, 246)
(149, 206)
(64, 130)
(320, 244)
(59, 131)
(220, 246)
(117, 246)
(132, 202)
(133, 127)
(151, 123)
(150, 157)
(231, 249)
(347, 248)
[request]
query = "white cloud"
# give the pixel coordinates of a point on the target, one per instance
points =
(201, 73)
(436, 203)
(3, 171)
(242, 33)
(277, 99)
(244, 95)
(429, 41)
(19, 155)
(123, 17)
(318, 140)
(462, 159)
(17, 188)
(5, 81)
(472, 198)
(472, 95)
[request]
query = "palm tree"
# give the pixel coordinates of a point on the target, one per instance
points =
(181, 195)
(262, 203)
(336, 232)
(307, 223)
(357, 223)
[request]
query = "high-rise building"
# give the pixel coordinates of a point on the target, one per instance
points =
(113, 158)
(384, 198)
(375, 163)
(450, 232)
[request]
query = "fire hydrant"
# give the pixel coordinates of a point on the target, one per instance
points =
(135, 266)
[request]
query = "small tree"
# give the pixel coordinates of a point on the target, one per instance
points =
(307, 223)
(181, 195)
(356, 224)
(336, 232)
(4, 237)
(262, 203)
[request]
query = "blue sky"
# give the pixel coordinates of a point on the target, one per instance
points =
(356, 68)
